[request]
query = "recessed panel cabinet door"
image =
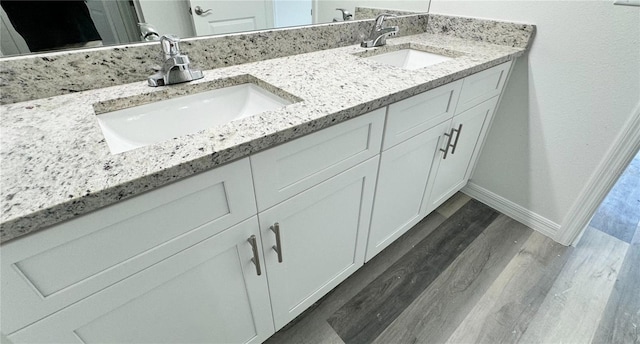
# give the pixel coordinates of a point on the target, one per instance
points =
(452, 173)
(320, 235)
(208, 293)
(402, 181)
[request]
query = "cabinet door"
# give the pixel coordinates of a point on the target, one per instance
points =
(208, 293)
(451, 174)
(323, 233)
(402, 180)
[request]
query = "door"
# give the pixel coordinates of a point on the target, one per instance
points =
(316, 239)
(453, 170)
(213, 17)
(402, 181)
(208, 293)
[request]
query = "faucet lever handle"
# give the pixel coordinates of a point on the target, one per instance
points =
(381, 17)
(170, 46)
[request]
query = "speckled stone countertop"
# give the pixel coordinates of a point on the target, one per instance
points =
(56, 163)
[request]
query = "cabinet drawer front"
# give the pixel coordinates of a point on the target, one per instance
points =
(414, 115)
(293, 167)
(54, 268)
(208, 293)
(482, 86)
(323, 234)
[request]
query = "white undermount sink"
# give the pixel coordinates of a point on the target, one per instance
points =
(409, 58)
(159, 121)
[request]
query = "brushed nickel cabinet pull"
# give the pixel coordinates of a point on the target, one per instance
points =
(256, 258)
(278, 247)
(445, 150)
(455, 143)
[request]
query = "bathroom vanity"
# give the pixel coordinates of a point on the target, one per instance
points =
(227, 234)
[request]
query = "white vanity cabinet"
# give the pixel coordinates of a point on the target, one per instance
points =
(235, 253)
(473, 115)
(412, 138)
(416, 175)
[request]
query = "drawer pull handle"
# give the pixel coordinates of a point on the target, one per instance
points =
(256, 258)
(278, 246)
(445, 150)
(455, 143)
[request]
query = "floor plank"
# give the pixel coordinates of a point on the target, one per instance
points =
(453, 204)
(573, 308)
(621, 318)
(365, 316)
(312, 327)
(436, 313)
(504, 311)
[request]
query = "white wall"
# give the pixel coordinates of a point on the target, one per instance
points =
(566, 101)
(292, 13)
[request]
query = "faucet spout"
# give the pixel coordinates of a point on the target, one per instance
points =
(382, 35)
(379, 32)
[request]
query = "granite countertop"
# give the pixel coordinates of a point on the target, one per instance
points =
(56, 163)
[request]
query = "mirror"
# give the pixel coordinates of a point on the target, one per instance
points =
(43, 26)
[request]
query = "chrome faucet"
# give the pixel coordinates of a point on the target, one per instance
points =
(346, 15)
(175, 68)
(379, 33)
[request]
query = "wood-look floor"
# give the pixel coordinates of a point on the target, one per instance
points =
(468, 274)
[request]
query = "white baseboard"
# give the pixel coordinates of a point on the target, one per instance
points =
(515, 211)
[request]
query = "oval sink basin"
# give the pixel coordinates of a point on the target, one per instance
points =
(409, 58)
(156, 122)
